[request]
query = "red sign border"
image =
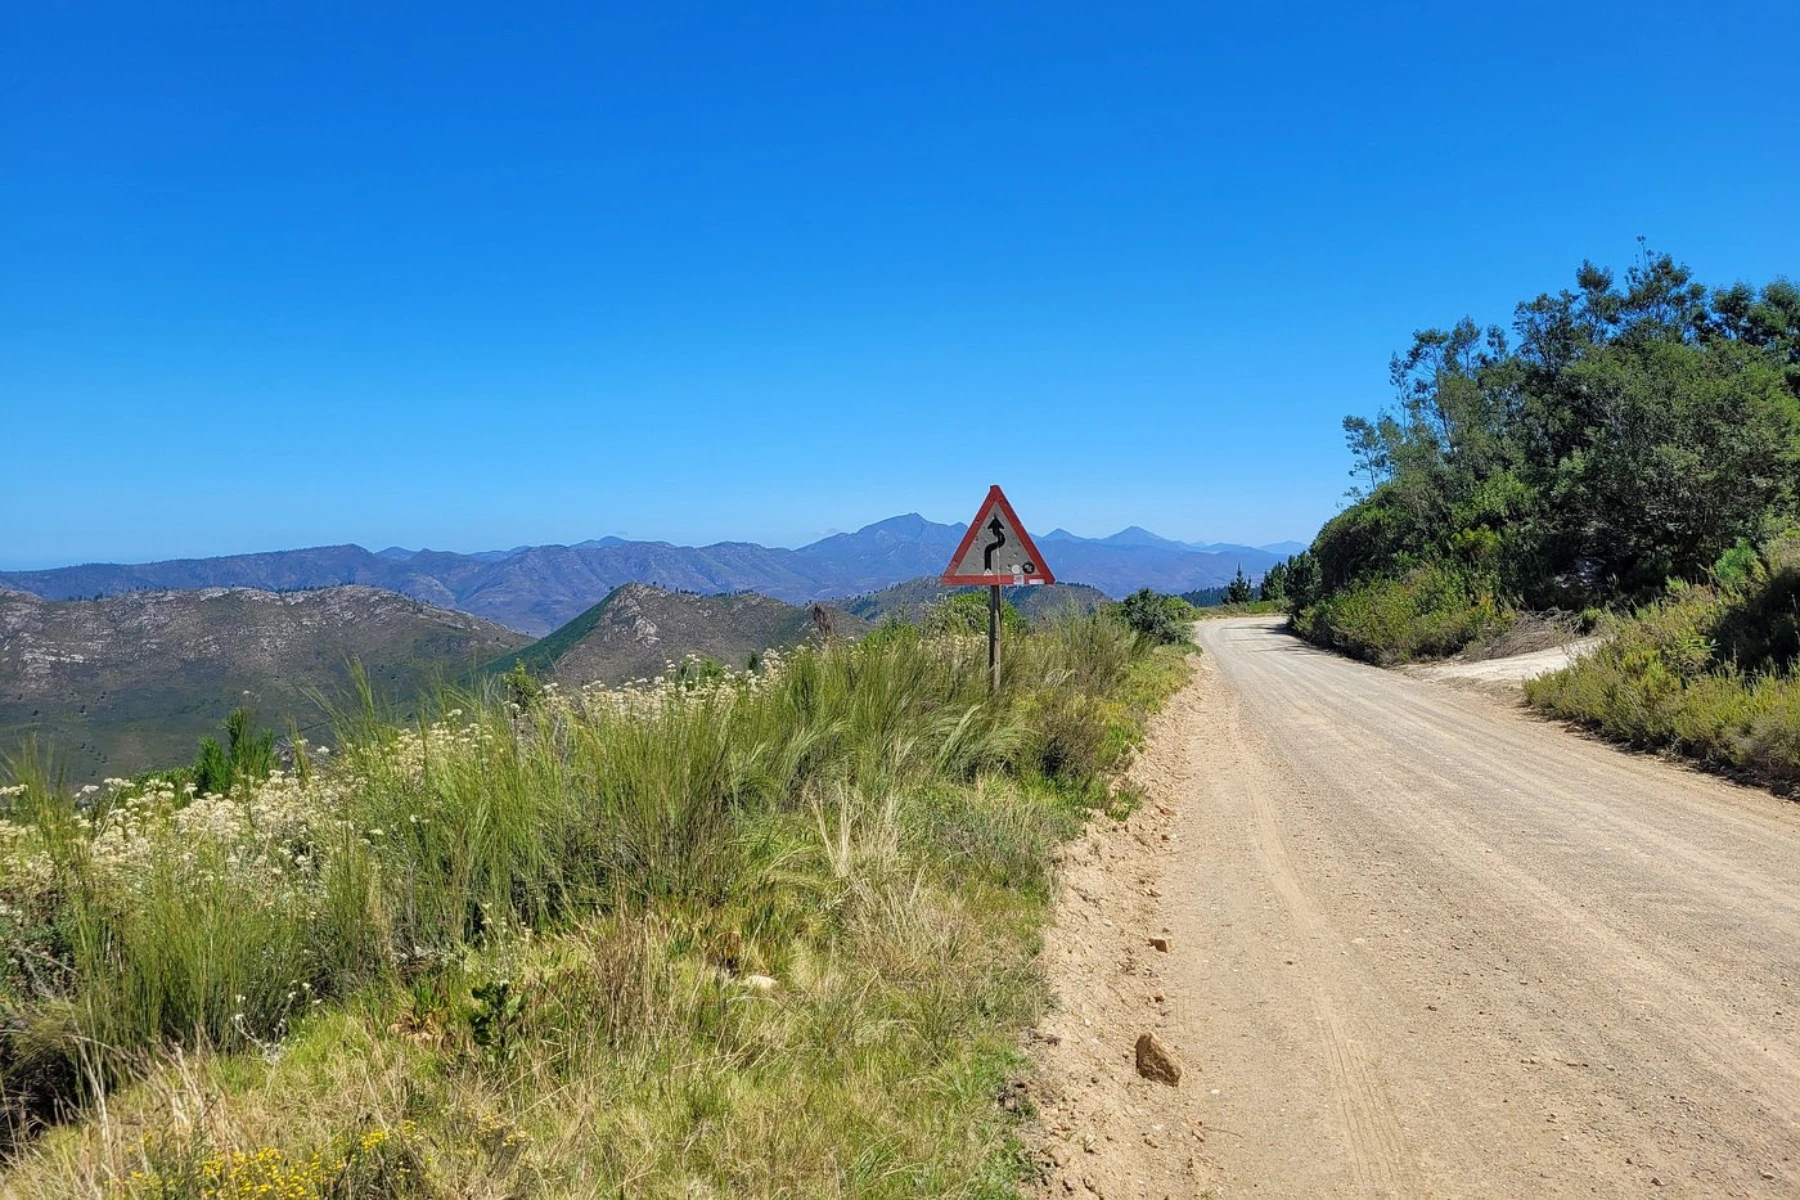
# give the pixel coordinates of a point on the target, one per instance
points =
(1042, 575)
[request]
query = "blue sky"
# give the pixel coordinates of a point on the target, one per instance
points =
(448, 276)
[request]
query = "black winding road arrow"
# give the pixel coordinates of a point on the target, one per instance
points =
(987, 554)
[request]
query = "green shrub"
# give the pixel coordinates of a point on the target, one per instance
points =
(246, 758)
(1162, 620)
(967, 612)
(1432, 610)
(1739, 566)
(1706, 672)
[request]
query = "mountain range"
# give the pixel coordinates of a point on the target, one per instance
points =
(536, 589)
(129, 683)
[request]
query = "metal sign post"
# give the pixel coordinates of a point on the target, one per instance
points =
(996, 551)
(993, 637)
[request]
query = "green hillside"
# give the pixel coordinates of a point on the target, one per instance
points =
(127, 684)
(638, 630)
(909, 599)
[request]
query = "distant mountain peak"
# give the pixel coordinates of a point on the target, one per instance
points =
(1137, 535)
(639, 628)
(904, 525)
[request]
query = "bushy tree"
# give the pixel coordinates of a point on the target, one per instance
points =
(1240, 590)
(1302, 580)
(1161, 619)
(1627, 431)
(1274, 586)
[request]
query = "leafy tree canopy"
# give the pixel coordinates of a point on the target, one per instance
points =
(1622, 433)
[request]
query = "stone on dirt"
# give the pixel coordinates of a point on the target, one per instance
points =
(1155, 1062)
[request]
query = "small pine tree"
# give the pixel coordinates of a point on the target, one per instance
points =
(1239, 590)
(252, 750)
(248, 755)
(212, 768)
(1274, 583)
(1303, 580)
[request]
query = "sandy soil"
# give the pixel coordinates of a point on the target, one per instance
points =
(1421, 944)
(1513, 669)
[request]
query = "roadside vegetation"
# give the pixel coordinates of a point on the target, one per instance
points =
(733, 933)
(1160, 619)
(1625, 434)
(1707, 671)
(1241, 597)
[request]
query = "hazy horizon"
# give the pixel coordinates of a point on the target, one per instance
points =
(1037, 529)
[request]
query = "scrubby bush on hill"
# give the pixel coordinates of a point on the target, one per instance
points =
(761, 933)
(967, 612)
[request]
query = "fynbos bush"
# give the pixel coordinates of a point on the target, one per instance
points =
(1434, 609)
(1708, 672)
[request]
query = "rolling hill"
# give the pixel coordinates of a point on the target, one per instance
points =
(130, 683)
(638, 630)
(907, 600)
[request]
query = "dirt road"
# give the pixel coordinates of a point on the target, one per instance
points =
(1422, 944)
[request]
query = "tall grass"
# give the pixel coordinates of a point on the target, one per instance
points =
(562, 896)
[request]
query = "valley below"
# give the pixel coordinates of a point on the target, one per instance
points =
(130, 683)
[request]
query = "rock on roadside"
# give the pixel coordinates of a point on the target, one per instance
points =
(1155, 1062)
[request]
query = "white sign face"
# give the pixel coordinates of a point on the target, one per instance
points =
(996, 549)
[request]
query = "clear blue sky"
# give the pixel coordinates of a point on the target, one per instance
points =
(431, 275)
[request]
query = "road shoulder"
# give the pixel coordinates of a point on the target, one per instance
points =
(1104, 1129)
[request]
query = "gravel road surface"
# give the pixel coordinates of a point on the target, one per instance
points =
(1425, 944)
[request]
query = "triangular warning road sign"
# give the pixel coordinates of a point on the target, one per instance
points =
(996, 550)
